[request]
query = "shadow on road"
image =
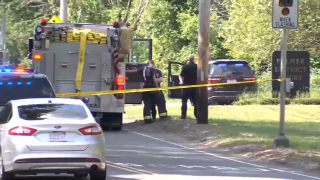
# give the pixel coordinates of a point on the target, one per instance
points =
(65, 178)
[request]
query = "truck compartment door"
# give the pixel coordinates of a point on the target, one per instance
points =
(134, 81)
(174, 70)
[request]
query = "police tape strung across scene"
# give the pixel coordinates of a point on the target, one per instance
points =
(92, 93)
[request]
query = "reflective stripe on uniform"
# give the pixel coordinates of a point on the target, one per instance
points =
(163, 114)
(144, 74)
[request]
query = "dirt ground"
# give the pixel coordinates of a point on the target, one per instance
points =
(207, 136)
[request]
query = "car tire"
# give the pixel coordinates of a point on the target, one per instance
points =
(80, 175)
(98, 175)
(118, 117)
(6, 175)
(116, 128)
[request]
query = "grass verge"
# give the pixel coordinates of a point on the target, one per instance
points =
(257, 124)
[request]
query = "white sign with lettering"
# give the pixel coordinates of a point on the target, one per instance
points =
(285, 14)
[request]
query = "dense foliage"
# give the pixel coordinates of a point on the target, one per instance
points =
(239, 28)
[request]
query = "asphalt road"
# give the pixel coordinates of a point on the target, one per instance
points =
(134, 155)
(165, 157)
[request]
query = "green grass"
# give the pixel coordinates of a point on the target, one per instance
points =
(258, 124)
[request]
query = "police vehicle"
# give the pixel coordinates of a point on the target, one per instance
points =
(19, 83)
(220, 71)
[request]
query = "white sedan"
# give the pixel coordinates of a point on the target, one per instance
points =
(51, 135)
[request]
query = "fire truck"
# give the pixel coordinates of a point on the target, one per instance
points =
(85, 57)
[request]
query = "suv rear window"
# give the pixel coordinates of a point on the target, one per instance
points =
(22, 88)
(231, 68)
(52, 111)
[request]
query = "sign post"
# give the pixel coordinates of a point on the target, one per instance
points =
(284, 16)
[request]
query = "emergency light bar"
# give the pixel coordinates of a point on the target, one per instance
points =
(18, 70)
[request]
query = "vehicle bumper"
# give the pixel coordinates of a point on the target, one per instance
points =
(17, 157)
(55, 163)
(224, 96)
(227, 97)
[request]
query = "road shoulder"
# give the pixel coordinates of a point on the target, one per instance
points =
(208, 137)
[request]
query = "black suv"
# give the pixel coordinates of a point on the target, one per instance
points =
(220, 71)
(18, 83)
(229, 71)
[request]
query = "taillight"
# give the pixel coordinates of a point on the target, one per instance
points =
(91, 130)
(120, 81)
(250, 79)
(120, 87)
(22, 131)
(213, 80)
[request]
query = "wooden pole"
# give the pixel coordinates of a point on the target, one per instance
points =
(64, 11)
(203, 52)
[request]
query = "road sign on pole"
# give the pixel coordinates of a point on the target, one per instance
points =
(285, 14)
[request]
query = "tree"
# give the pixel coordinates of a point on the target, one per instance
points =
(249, 35)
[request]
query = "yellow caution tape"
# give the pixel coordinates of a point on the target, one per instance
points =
(82, 55)
(92, 93)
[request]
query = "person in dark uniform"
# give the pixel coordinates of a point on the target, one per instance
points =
(188, 76)
(160, 100)
(150, 81)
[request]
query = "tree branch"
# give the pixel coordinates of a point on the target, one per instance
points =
(141, 10)
(128, 11)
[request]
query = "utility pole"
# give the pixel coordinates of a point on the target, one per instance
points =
(203, 52)
(64, 11)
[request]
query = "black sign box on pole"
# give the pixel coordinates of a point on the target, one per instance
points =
(298, 70)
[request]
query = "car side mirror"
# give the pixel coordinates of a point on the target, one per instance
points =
(254, 72)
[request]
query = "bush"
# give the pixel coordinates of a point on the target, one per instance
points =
(261, 101)
(264, 95)
(306, 101)
(276, 101)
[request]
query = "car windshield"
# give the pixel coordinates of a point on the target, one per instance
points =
(22, 88)
(231, 69)
(52, 111)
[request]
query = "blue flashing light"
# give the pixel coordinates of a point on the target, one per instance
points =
(19, 83)
(1, 83)
(222, 64)
(17, 70)
(9, 83)
(28, 83)
(238, 64)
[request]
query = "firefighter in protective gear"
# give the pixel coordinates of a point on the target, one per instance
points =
(160, 101)
(150, 81)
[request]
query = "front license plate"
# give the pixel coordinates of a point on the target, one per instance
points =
(57, 136)
(231, 80)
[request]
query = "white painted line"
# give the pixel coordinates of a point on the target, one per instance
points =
(217, 156)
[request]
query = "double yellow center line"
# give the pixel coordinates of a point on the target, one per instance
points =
(126, 168)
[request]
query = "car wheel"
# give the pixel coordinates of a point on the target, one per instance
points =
(98, 175)
(117, 128)
(80, 175)
(6, 175)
